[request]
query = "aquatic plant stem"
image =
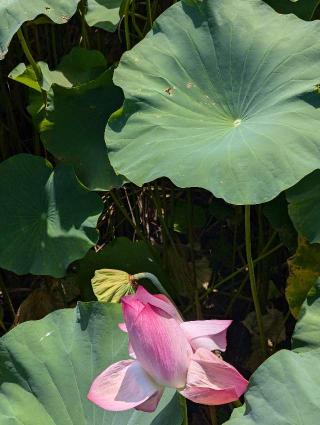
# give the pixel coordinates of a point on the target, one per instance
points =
(149, 10)
(33, 63)
(213, 415)
(252, 279)
(6, 297)
(155, 281)
(126, 23)
(184, 410)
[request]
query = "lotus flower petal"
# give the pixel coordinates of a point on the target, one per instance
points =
(212, 381)
(151, 404)
(159, 343)
(125, 385)
(159, 300)
(209, 334)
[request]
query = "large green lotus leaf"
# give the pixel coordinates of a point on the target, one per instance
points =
(306, 335)
(78, 67)
(80, 98)
(47, 367)
(305, 9)
(75, 135)
(25, 75)
(304, 270)
(284, 390)
(48, 220)
(120, 254)
(304, 204)
(219, 96)
(103, 14)
(13, 13)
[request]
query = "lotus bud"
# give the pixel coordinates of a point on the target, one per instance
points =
(111, 285)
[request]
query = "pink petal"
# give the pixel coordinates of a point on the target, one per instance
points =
(122, 327)
(209, 334)
(151, 404)
(122, 386)
(159, 300)
(158, 342)
(212, 381)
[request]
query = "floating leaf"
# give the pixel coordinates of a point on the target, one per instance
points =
(103, 14)
(78, 118)
(304, 204)
(304, 270)
(306, 334)
(218, 96)
(72, 347)
(78, 67)
(13, 13)
(305, 9)
(285, 389)
(48, 220)
(80, 98)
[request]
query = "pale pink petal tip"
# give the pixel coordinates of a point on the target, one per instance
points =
(125, 385)
(212, 381)
(209, 334)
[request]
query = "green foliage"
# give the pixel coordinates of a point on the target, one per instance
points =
(230, 121)
(80, 98)
(304, 270)
(77, 118)
(13, 13)
(277, 214)
(104, 14)
(286, 388)
(48, 219)
(47, 367)
(305, 9)
(304, 204)
(306, 334)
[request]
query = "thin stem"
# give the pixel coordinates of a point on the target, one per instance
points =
(149, 10)
(34, 65)
(253, 280)
(84, 31)
(236, 273)
(213, 415)
(194, 271)
(126, 215)
(7, 298)
(126, 24)
(155, 281)
(184, 410)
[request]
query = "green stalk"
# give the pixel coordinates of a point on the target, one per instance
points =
(236, 273)
(126, 23)
(213, 415)
(34, 65)
(194, 271)
(253, 280)
(84, 32)
(155, 281)
(184, 409)
(149, 11)
(7, 298)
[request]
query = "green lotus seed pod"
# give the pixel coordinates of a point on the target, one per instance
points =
(111, 285)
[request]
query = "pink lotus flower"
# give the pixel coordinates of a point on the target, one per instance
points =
(167, 352)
